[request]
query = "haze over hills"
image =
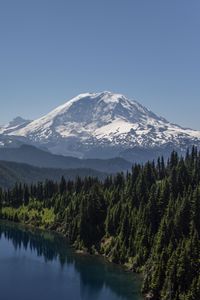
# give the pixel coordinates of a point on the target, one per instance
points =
(103, 125)
(37, 157)
(12, 173)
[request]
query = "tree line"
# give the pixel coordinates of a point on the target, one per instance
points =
(147, 219)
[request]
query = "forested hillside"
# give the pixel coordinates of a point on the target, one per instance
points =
(34, 156)
(148, 219)
(11, 173)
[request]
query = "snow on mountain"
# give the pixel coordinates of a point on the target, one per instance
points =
(102, 121)
(14, 125)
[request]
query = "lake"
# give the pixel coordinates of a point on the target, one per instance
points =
(41, 265)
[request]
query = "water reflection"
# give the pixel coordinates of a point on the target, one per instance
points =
(95, 274)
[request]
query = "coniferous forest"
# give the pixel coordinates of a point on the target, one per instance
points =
(147, 219)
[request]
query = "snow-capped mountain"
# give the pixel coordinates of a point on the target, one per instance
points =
(103, 125)
(15, 124)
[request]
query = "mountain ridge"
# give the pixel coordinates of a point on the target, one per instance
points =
(12, 173)
(103, 124)
(16, 124)
(40, 158)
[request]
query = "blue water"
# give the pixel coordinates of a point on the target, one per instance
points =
(38, 265)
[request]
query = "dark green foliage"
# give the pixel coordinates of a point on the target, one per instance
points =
(148, 219)
(11, 172)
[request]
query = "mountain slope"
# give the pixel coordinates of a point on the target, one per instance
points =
(16, 124)
(40, 158)
(11, 173)
(104, 125)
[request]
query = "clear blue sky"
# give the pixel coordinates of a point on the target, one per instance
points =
(51, 50)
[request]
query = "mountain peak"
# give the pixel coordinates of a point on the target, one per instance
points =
(16, 124)
(18, 121)
(92, 104)
(105, 95)
(103, 122)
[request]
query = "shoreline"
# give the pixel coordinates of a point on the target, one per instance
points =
(82, 252)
